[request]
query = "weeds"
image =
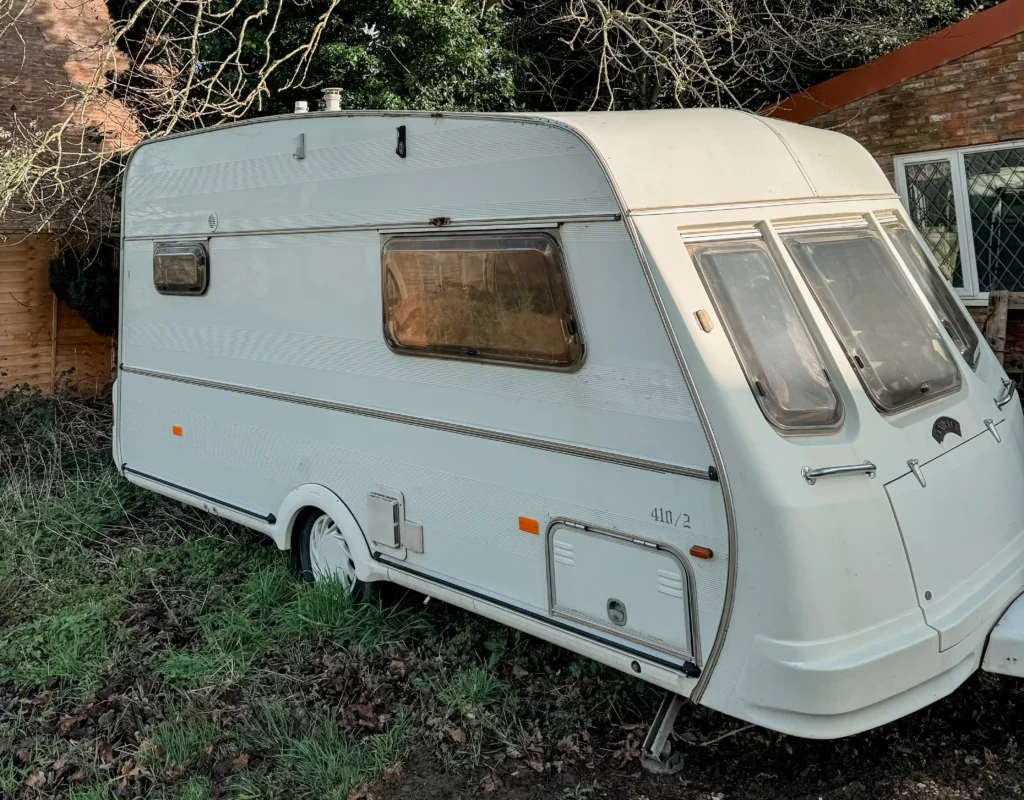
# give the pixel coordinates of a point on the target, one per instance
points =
(178, 746)
(325, 763)
(71, 645)
(155, 651)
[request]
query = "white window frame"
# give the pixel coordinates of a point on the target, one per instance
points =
(970, 292)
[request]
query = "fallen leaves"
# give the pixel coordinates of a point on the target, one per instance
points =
(66, 724)
(37, 780)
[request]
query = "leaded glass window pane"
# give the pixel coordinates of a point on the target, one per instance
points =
(933, 210)
(995, 186)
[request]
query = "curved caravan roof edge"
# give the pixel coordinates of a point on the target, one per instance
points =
(682, 158)
(706, 157)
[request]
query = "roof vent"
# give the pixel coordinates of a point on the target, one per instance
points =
(301, 106)
(332, 99)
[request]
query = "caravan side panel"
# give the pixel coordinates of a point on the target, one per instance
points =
(279, 375)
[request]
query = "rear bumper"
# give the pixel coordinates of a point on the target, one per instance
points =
(1004, 654)
(841, 686)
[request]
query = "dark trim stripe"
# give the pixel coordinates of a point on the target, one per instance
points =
(450, 427)
(687, 668)
(268, 518)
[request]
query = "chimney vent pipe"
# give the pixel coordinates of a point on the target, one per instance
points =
(332, 99)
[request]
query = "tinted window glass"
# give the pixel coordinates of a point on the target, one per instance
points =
(483, 296)
(781, 362)
(888, 335)
(180, 268)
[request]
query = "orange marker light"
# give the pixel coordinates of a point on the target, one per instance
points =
(697, 551)
(527, 525)
(176, 430)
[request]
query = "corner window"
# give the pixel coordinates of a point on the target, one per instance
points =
(950, 313)
(480, 297)
(892, 343)
(180, 268)
(969, 206)
(780, 360)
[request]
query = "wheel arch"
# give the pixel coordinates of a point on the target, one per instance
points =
(310, 497)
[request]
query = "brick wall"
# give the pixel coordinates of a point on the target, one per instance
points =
(977, 99)
(49, 47)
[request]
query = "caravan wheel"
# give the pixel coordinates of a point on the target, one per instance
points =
(324, 553)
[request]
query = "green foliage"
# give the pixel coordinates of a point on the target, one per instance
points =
(326, 763)
(387, 54)
(195, 789)
(71, 645)
(10, 778)
(178, 745)
(87, 280)
(317, 757)
(325, 611)
(470, 692)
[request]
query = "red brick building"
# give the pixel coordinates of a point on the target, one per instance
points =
(944, 117)
(50, 50)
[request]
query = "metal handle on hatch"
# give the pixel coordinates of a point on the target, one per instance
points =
(1009, 390)
(812, 475)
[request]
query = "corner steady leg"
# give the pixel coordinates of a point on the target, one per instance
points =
(656, 753)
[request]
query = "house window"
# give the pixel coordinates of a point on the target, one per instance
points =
(481, 297)
(969, 206)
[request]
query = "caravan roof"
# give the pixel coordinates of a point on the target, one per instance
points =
(700, 157)
(683, 158)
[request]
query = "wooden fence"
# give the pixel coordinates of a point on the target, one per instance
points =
(44, 343)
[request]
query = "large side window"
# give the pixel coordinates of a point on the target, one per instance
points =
(483, 296)
(895, 348)
(952, 316)
(180, 268)
(786, 373)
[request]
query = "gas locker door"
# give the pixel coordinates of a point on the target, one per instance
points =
(961, 516)
(628, 587)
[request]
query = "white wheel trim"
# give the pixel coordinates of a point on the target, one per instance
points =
(329, 553)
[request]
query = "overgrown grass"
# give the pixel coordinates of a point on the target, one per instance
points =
(160, 652)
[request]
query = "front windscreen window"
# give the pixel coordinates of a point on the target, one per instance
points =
(895, 348)
(777, 354)
(936, 288)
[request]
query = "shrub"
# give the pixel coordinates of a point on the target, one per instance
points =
(87, 280)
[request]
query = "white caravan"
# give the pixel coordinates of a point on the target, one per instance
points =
(681, 391)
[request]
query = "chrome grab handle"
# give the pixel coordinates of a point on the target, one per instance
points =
(1009, 390)
(812, 475)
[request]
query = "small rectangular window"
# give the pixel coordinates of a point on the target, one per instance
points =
(482, 296)
(180, 268)
(895, 348)
(936, 288)
(786, 373)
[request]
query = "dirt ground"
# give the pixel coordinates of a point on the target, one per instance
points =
(964, 746)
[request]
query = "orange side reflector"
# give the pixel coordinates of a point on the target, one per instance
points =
(528, 525)
(697, 551)
(176, 430)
